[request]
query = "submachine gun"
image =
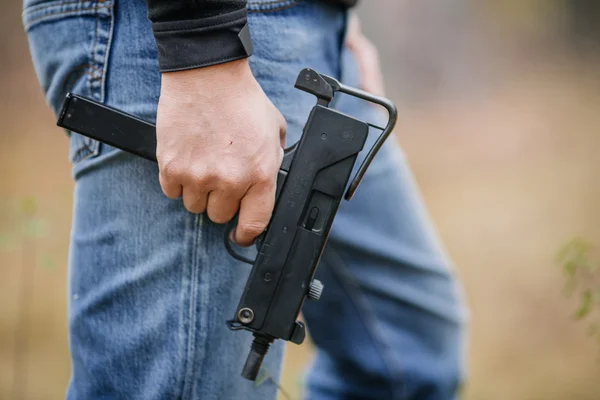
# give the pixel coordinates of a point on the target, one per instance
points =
(310, 185)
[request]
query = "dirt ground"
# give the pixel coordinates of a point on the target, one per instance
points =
(509, 173)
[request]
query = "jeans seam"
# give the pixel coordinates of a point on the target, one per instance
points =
(92, 54)
(57, 3)
(74, 75)
(188, 384)
(107, 49)
(90, 145)
(95, 69)
(31, 16)
(204, 298)
(56, 14)
(97, 75)
(352, 288)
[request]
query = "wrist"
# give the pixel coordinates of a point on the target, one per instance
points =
(209, 81)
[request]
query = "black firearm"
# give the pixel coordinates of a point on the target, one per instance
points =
(310, 186)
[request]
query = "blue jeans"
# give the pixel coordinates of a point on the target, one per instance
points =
(151, 284)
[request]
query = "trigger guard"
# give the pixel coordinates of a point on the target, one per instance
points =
(228, 243)
(288, 156)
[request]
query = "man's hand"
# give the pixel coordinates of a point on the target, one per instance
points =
(220, 145)
(367, 58)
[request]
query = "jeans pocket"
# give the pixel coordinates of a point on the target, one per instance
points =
(69, 41)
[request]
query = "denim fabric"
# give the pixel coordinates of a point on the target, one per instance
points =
(151, 284)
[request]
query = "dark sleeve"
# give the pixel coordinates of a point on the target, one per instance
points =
(198, 33)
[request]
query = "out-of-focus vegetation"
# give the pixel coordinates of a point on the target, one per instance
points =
(499, 119)
(582, 272)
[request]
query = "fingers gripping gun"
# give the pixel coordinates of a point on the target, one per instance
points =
(310, 185)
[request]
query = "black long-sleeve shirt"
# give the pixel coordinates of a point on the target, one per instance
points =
(198, 33)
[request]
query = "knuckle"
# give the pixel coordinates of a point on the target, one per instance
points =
(199, 178)
(193, 201)
(230, 181)
(194, 207)
(264, 175)
(169, 167)
(230, 178)
(170, 193)
(251, 229)
(170, 170)
(198, 174)
(218, 217)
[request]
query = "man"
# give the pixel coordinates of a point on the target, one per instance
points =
(151, 284)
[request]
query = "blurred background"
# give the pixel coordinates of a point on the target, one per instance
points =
(499, 119)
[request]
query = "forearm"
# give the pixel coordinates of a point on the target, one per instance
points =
(197, 33)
